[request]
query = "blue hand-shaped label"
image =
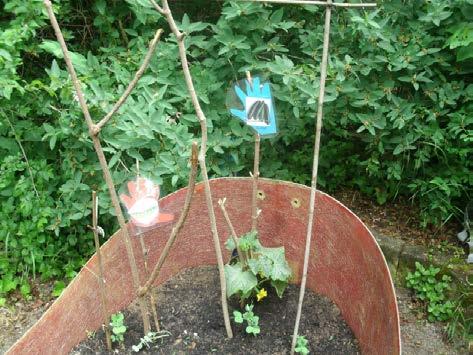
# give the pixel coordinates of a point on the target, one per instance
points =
(258, 107)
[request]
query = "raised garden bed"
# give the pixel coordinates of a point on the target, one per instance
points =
(346, 265)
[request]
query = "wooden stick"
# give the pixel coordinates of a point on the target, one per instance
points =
(152, 293)
(254, 202)
(203, 167)
(103, 164)
(315, 166)
(314, 2)
(255, 175)
(233, 235)
(103, 295)
(132, 83)
(176, 229)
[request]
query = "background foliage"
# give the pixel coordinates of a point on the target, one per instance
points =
(397, 121)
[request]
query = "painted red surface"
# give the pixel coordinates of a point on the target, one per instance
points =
(346, 264)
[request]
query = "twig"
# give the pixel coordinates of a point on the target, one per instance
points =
(24, 155)
(203, 149)
(103, 291)
(255, 174)
(152, 293)
(176, 229)
(314, 2)
(315, 166)
(103, 164)
(233, 235)
(132, 84)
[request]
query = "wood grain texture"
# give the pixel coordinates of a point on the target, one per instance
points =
(346, 263)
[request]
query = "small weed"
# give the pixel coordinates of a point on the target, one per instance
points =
(432, 290)
(302, 345)
(118, 327)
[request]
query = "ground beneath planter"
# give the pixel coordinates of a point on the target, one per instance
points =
(190, 310)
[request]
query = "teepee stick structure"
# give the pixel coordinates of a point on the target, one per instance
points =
(180, 37)
(94, 131)
(103, 292)
(329, 4)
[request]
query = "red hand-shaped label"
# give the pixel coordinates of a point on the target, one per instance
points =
(142, 204)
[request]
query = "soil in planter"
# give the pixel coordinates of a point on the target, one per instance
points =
(189, 308)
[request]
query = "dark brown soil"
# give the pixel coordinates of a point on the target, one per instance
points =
(190, 310)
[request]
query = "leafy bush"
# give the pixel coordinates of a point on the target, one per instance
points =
(432, 291)
(397, 117)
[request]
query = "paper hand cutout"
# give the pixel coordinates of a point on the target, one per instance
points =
(142, 204)
(258, 106)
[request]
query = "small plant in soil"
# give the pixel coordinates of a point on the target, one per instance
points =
(432, 290)
(118, 327)
(254, 266)
(302, 345)
(149, 339)
(250, 318)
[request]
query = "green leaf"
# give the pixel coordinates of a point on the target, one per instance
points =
(238, 280)
(238, 317)
(59, 286)
(279, 286)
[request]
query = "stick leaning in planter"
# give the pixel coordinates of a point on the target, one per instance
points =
(255, 175)
(103, 292)
(166, 11)
(176, 229)
(94, 130)
(152, 294)
(315, 167)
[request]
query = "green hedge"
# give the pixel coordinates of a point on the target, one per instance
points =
(397, 122)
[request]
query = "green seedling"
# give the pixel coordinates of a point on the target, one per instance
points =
(118, 327)
(251, 319)
(302, 345)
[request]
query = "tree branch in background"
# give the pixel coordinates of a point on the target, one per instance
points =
(17, 138)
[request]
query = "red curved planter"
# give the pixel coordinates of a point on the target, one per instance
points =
(346, 264)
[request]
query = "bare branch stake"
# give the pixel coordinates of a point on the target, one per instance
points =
(152, 292)
(255, 174)
(176, 229)
(316, 2)
(203, 149)
(103, 164)
(103, 294)
(233, 235)
(315, 167)
(132, 84)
